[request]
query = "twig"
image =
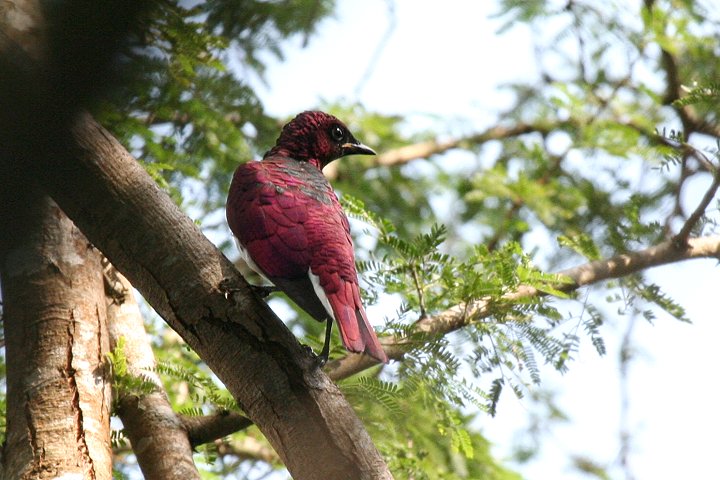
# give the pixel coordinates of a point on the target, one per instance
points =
(247, 448)
(421, 296)
(681, 238)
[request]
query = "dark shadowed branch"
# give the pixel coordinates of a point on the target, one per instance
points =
(206, 429)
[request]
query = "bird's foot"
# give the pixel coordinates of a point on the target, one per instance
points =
(320, 360)
(263, 291)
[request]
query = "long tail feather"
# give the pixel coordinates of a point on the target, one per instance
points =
(356, 332)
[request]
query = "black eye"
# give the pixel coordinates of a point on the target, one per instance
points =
(337, 133)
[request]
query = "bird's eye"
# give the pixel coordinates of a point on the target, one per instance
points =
(337, 133)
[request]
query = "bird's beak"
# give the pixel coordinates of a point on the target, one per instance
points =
(357, 149)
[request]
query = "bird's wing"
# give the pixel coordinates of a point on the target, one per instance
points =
(268, 221)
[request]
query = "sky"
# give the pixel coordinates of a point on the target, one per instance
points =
(441, 66)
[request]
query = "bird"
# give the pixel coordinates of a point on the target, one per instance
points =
(291, 229)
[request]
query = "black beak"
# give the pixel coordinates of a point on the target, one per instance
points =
(357, 149)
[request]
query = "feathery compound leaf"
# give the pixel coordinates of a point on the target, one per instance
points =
(592, 322)
(652, 293)
(205, 390)
(582, 244)
(699, 93)
(123, 381)
(355, 208)
(494, 396)
(386, 394)
(462, 443)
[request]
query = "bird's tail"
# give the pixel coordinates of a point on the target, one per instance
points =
(355, 330)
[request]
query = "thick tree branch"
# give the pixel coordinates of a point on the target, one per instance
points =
(587, 274)
(54, 319)
(54, 316)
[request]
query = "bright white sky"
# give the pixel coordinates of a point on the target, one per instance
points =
(442, 65)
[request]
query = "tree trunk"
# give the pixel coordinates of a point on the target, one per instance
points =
(58, 394)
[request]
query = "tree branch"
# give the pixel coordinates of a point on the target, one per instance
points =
(699, 211)
(463, 314)
(208, 428)
(247, 448)
(158, 437)
(433, 147)
(687, 151)
(54, 319)
(673, 91)
(408, 153)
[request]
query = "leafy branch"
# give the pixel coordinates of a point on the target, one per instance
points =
(571, 279)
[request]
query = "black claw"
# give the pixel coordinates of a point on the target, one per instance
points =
(320, 360)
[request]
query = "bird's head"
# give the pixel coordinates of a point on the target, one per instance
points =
(318, 138)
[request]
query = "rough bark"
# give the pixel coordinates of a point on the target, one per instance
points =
(158, 437)
(58, 394)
